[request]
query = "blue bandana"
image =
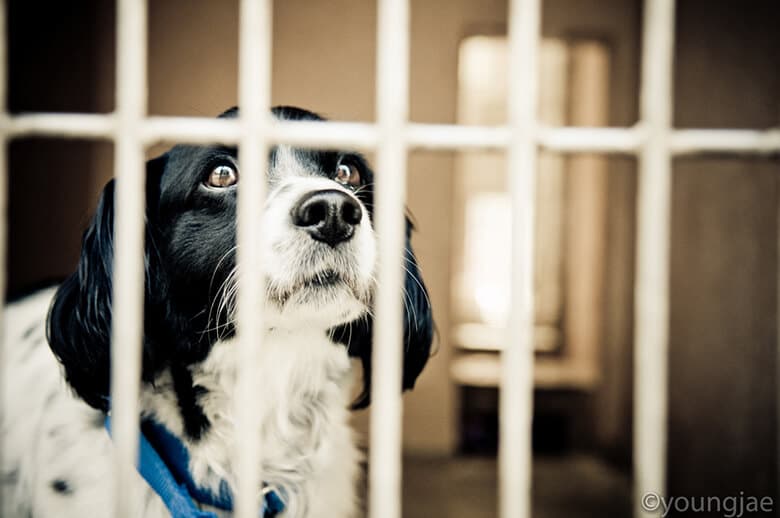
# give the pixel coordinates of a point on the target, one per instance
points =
(163, 461)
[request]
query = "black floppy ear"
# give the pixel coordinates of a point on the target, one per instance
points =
(79, 321)
(418, 330)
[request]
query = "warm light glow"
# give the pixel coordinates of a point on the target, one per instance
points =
(487, 262)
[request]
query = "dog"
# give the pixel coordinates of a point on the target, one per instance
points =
(319, 258)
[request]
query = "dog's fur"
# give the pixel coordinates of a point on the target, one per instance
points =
(56, 453)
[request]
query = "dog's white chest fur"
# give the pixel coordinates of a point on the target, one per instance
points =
(59, 455)
(307, 449)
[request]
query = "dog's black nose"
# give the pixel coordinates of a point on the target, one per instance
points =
(329, 216)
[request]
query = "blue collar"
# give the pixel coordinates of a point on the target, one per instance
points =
(163, 461)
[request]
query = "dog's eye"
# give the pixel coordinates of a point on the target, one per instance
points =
(222, 176)
(348, 174)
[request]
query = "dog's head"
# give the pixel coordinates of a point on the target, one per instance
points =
(319, 256)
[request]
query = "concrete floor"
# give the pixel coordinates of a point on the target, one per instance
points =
(563, 487)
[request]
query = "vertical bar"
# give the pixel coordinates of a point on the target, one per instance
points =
(517, 358)
(392, 112)
(128, 287)
(777, 350)
(3, 227)
(254, 98)
(652, 280)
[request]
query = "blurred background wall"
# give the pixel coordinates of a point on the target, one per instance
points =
(723, 385)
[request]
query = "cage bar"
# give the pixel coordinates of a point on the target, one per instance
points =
(652, 278)
(128, 277)
(254, 98)
(732, 141)
(361, 135)
(591, 140)
(392, 111)
(3, 225)
(516, 397)
(61, 125)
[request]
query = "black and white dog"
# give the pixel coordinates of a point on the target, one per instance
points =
(319, 258)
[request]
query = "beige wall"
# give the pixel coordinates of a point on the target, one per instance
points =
(724, 307)
(55, 59)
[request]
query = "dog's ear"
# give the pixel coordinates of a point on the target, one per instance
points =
(417, 332)
(418, 318)
(79, 320)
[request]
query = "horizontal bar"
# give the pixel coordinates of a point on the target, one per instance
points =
(736, 141)
(66, 125)
(591, 140)
(450, 136)
(363, 135)
(359, 135)
(192, 130)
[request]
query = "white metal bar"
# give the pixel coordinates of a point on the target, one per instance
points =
(652, 278)
(325, 134)
(128, 282)
(299, 133)
(392, 111)
(516, 399)
(591, 140)
(66, 125)
(735, 141)
(3, 234)
(199, 130)
(254, 98)
(453, 137)
(192, 130)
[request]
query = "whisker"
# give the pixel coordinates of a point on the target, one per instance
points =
(415, 278)
(221, 287)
